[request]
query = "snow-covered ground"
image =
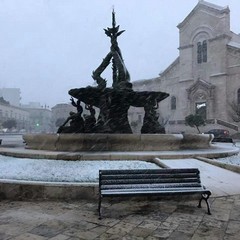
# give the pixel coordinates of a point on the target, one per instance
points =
(61, 171)
(68, 171)
(71, 171)
(234, 160)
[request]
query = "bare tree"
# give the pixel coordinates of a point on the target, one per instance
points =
(234, 111)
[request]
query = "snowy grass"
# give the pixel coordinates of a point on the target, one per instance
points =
(234, 160)
(61, 171)
(72, 171)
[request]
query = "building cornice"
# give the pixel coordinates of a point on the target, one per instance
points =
(185, 46)
(218, 74)
(220, 37)
(12, 107)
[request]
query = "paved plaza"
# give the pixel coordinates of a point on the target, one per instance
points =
(155, 219)
(172, 218)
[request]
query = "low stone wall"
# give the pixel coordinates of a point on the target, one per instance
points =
(27, 190)
(116, 142)
(196, 141)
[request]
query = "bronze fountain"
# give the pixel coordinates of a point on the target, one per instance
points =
(110, 131)
(114, 102)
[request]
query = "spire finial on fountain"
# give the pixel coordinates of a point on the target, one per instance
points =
(113, 18)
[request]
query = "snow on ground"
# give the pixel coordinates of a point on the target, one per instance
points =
(71, 171)
(234, 160)
(61, 171)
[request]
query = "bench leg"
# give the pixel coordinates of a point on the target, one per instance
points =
(99, 207)
(205, 197)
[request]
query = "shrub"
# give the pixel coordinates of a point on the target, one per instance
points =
(195, 121)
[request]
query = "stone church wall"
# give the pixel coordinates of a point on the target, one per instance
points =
(215, 81)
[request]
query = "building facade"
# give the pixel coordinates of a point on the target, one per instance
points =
(205, 78)
(60, 112)
(40, 118)
(9, 112)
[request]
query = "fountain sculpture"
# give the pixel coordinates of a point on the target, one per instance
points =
(109, 137)
(114, 102)
(111, 131)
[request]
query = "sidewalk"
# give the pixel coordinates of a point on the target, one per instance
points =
(158, 219)
(220, 181)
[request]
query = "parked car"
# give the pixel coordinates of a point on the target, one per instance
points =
(219, 133)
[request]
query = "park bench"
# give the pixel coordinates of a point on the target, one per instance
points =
(151, 182)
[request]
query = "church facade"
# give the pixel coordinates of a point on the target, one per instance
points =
(205, 78)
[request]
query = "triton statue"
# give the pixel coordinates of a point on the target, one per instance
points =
(114, 102)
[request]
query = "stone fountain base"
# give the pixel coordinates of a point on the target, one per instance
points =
(117, 142)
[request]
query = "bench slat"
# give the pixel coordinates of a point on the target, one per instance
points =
(139, 181)
(152, 191)
(147, 186)
(149, 170)
(147, 175)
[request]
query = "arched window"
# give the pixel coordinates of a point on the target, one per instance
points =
(199, 52)
(202, 51)
(238, 96)
(173, 103)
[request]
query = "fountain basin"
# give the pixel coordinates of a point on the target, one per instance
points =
(117, 142)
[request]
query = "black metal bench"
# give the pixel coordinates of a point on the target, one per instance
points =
(151, 182)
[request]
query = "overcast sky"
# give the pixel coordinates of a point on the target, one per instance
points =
(50, 46)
